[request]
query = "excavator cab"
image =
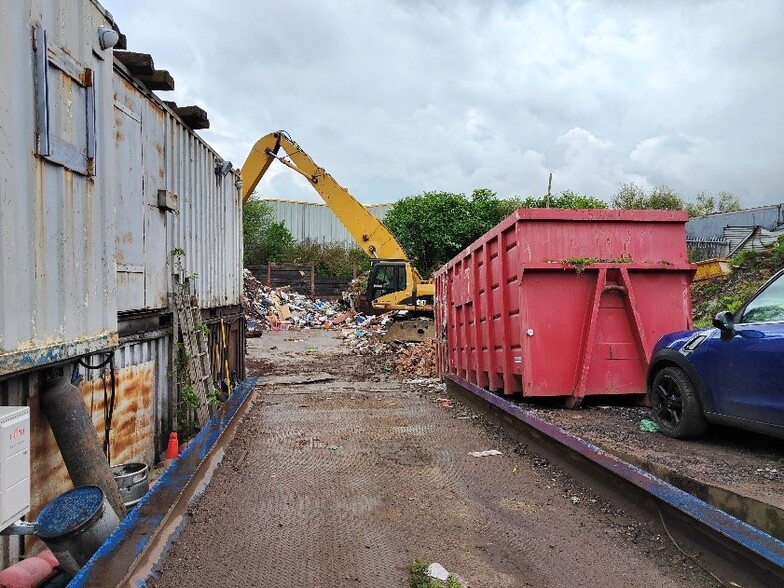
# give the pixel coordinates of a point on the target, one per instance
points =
(386, 278)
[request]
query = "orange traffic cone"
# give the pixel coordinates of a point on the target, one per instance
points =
(173, 448)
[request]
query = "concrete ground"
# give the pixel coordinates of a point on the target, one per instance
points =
(342, 475)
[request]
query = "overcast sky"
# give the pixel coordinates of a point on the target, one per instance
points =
(398, 97)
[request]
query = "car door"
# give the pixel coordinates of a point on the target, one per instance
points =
(746, 369)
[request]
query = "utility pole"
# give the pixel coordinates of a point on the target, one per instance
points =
(549, 188)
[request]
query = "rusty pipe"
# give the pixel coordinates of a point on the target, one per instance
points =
(78, 442)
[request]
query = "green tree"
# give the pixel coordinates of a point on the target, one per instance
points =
(434, 226)
(706, 203)
(264, 238)
(665, 198)
(566, 199)
(633, 197)
(278, 242)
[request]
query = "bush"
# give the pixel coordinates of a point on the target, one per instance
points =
(329, 259)
(434, 226)
(566, 199)
(633, 197)
(264, 239)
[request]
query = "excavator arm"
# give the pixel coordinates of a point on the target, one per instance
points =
(369, 233)
(394, 283)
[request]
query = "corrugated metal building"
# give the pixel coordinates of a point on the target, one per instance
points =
(100, 182)
(724, 234)
(315, 221)
(711, 226)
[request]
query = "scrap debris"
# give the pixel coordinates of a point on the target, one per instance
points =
(487, 453)
(279, 309)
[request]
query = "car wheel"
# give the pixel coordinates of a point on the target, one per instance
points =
(676, 407)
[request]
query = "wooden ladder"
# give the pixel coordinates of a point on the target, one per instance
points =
(198, 373)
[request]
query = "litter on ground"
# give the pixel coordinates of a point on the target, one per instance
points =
(487, 453)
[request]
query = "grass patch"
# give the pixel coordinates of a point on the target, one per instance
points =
(418, 577)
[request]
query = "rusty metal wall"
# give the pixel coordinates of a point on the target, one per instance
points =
(156, 152)
(315, 221)
(208, 227)
(142, 254)
(140, 424)
(56, 226)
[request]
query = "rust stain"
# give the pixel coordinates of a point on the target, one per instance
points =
(131, 437)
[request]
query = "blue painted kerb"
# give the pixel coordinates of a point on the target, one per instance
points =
(175, 478)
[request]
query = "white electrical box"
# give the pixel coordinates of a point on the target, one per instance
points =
(14, 464)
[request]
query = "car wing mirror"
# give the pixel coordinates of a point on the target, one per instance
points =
(725, 322)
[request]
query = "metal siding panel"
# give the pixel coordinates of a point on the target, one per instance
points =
(127, 175)
(61, 283)
(209, 225)
(156, 253)
(315, 221)
(712, 226)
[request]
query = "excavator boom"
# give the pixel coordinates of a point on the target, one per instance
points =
(394, 282)
(369, 233)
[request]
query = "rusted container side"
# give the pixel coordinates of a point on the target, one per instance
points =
(140, 423)
(57, 228)
(208, 227)
(157, 154)
(564, 303)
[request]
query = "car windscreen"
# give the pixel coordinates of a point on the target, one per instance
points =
(767, 306)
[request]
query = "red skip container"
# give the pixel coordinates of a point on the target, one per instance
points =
(564, 303)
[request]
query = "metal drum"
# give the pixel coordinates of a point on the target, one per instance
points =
(133, 481)
(75, 524)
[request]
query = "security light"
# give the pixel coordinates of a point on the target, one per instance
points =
(222, 168)
(107, 38)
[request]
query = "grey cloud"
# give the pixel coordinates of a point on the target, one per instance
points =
(398, 97)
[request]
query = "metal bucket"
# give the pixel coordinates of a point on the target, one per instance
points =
(75, 524)
(133, 481)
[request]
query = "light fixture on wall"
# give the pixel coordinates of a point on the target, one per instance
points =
(107, 38)
(222, 168)
(238, 184)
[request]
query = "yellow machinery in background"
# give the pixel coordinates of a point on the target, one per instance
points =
(394, 283)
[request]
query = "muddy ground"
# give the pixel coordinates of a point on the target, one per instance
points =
(341, 474)
(745, 463)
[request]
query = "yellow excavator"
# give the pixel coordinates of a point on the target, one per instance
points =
(394, 283)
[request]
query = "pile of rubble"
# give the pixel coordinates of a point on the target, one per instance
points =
(280, 309)
(417, 360)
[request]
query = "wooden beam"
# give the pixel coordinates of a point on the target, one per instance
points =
(160, 79)
(137, 63)
(193, 116)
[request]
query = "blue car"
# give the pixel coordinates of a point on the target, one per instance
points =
(731, 374)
